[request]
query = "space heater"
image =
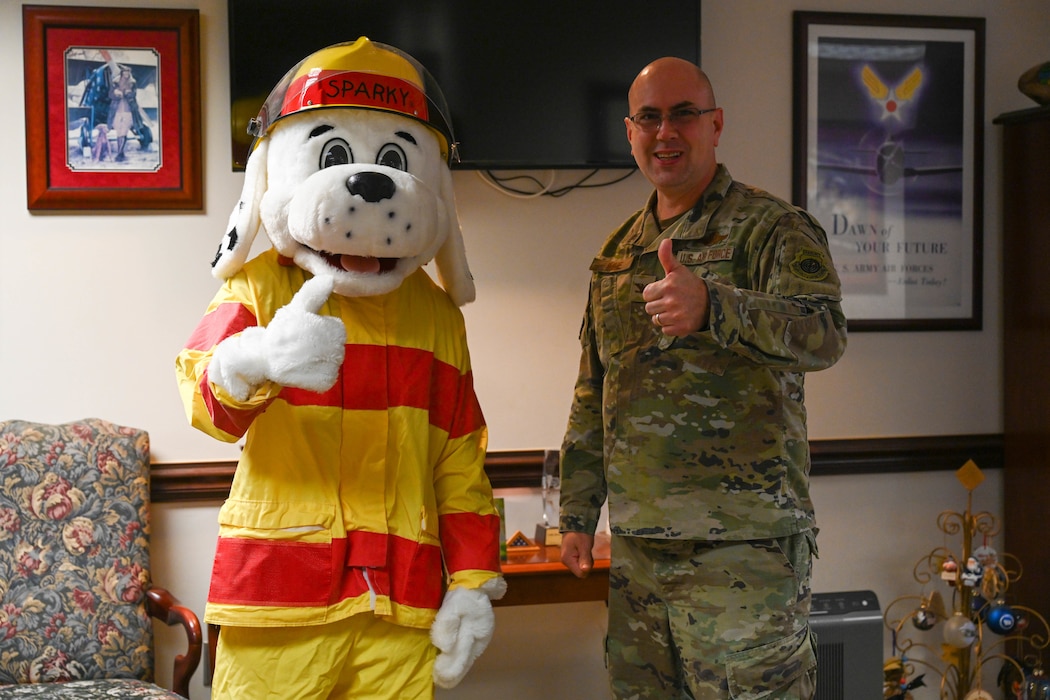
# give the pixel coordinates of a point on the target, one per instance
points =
(848, 627)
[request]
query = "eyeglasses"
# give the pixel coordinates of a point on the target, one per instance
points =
(684, 116)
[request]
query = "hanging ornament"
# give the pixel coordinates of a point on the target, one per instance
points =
(959, 631)
(994, 581)
(895, 685)
(1001, 618)
(925, 617)
(978, 606)
(972, 572)
(949, 569)
(986, 555)
(1037, 686)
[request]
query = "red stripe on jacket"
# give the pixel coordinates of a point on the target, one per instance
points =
(373, 377)
(378, 377)
(219, 324)
(466, 538)
(293, 574)
(233, 421)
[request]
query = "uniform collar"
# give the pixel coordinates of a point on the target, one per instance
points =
(647, 231)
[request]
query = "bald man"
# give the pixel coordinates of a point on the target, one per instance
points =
(706, 309)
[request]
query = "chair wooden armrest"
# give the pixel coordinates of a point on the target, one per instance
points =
(165, 607)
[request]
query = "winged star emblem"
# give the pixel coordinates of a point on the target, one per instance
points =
(891, 99)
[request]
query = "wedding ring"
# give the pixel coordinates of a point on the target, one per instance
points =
(658, 322)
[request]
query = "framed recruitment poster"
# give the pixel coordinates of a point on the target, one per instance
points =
(888, 150)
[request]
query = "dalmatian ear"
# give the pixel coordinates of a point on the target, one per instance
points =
(451, 258)
(244, 221)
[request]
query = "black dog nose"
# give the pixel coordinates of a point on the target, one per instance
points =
(370, 186)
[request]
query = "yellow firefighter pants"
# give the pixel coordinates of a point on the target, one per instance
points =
(360, 657)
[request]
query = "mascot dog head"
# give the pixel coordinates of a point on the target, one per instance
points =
(350, 177)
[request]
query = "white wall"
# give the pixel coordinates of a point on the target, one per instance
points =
(94, 307)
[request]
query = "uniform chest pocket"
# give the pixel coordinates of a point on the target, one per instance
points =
(609, 321)
(611, 294)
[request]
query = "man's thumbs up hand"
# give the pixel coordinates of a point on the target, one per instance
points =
(679, 303)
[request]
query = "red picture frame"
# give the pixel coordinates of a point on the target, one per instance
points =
(112, 100)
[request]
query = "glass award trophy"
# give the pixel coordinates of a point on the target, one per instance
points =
(547, 532)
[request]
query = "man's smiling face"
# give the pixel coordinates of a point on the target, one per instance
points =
(679, 160)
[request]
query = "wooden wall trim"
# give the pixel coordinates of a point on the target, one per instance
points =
(905, 454)
(210, 481)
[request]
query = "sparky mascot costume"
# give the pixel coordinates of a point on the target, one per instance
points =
(358, 551)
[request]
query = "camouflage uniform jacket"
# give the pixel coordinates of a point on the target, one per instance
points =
(703, 436)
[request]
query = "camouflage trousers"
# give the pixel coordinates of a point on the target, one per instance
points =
(708, 620)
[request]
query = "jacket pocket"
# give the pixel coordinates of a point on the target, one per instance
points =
(273, 555)
(301, 522)
(760, 672)
(799, 550)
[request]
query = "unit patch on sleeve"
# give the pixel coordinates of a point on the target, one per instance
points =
(810, 265)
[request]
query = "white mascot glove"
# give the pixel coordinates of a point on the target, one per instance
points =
(463, 629)
(300, 348)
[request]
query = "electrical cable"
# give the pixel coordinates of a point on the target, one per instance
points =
(501, 184)
(496, 183)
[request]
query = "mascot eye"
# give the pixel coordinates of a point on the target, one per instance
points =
(336, 152)
(392, 156)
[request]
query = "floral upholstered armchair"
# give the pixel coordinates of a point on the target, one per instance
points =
(76, 596)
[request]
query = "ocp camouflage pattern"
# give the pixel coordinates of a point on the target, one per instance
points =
(737, 625)
(704, 436)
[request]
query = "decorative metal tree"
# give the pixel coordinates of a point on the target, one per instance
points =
(979, 627)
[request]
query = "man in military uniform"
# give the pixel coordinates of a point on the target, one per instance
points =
(706, 309)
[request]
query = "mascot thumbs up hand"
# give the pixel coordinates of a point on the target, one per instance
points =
(300, 348)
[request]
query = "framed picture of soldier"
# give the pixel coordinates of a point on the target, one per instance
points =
(112, 99)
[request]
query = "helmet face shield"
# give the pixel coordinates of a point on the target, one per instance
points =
(360, 75)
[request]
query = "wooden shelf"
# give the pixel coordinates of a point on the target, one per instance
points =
(539, 577)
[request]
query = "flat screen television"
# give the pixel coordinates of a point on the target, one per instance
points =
(531, 84)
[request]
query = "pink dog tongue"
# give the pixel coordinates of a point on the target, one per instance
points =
(358, 263)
